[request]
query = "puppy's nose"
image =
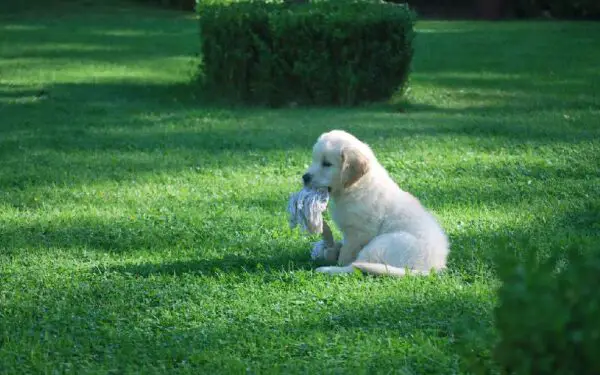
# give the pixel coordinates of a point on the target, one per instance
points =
(306, 178)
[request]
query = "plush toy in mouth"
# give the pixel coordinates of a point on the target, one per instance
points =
(306, 209)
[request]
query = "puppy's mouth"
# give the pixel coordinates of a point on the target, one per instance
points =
(311, 185)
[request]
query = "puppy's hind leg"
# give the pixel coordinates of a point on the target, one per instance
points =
(395, 254)
(397, 249)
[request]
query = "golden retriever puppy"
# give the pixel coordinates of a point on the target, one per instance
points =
(385, 229)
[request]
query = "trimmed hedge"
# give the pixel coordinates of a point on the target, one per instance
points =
(548, 314)
(323, 53)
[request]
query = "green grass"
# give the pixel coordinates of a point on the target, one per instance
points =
(142, 231)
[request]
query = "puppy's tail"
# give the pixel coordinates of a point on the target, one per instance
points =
(373, 269)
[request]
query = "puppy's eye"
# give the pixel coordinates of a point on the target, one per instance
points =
(326, 163)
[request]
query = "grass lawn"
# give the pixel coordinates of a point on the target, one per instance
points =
(144, 232)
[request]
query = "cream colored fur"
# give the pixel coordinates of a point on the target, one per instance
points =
(385, 229)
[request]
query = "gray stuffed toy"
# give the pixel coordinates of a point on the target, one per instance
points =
(306, 209)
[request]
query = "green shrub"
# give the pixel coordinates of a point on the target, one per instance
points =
(327, 52)
(548, 314)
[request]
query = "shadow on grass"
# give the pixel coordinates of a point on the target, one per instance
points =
(207, 251)
(227, 264)
(153, 315)
(138, 117)
(207, 247)
(129, 115)
(152, 323)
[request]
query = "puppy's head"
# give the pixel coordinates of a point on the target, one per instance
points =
(339, 161)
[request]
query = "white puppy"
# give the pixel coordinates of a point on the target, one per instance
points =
(385, 229)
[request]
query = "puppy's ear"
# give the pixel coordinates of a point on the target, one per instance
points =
(354, 166)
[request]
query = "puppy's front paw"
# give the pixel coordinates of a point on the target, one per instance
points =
(322, 251)
(332, 270)
(318, 251)
(324, 269)
(345, 259)
(332, 253)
